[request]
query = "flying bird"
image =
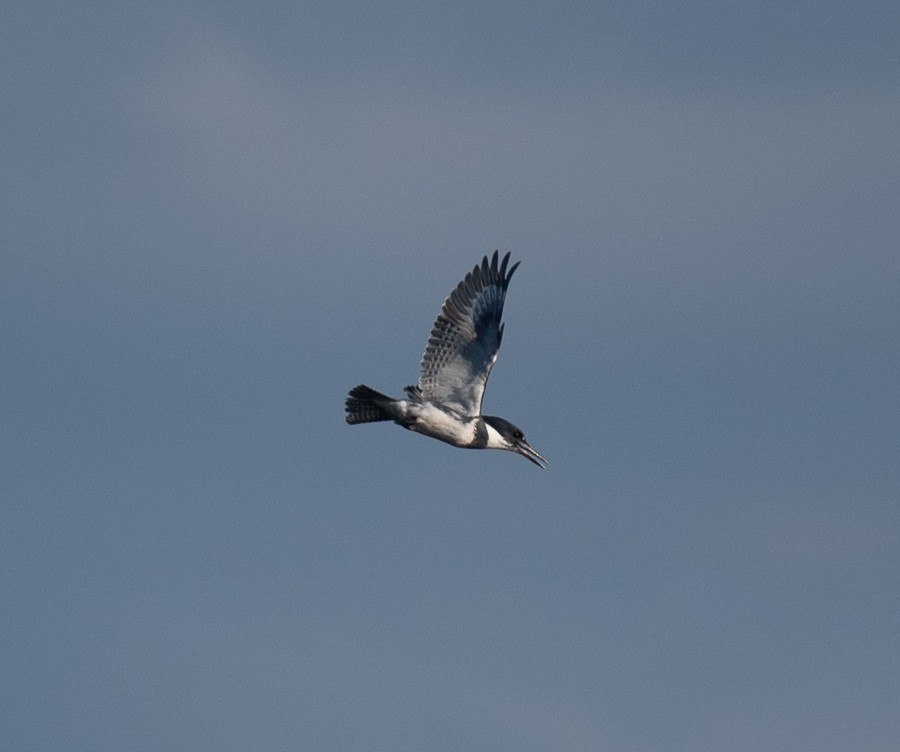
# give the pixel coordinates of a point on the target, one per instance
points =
(462, 349)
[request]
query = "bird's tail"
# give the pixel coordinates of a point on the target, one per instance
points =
(365, 405)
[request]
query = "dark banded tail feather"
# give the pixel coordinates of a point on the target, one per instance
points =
(365, 405)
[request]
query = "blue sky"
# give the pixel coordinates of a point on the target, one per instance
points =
(220, 217)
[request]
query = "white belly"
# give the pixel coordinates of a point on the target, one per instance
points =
(455, 429)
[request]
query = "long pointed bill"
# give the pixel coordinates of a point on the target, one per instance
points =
(527, 451)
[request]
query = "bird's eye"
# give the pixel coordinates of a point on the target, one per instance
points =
(518, 435)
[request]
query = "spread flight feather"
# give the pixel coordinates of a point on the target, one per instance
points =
(465, 339)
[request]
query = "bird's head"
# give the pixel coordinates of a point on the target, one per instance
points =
(504, 435)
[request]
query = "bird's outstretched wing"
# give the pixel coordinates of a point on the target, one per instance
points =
(465, 338)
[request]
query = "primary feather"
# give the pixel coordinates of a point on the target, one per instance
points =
(465, 338)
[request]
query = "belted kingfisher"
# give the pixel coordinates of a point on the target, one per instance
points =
(462, 349)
